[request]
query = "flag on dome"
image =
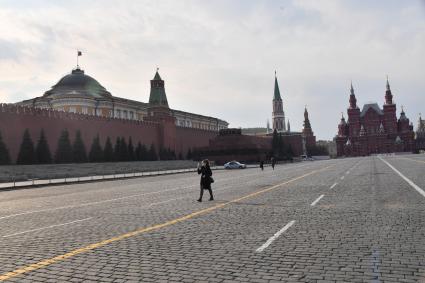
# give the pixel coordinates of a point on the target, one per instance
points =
(79, 53)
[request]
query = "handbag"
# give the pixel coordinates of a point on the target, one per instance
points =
(211, 179)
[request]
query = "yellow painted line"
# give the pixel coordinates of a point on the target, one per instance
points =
(46, 262)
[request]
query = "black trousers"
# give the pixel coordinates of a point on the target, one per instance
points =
(202, 193)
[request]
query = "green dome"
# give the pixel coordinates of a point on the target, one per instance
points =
(78, 84)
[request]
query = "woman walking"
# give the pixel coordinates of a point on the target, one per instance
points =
(206, 178)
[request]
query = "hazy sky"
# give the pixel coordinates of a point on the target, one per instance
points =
(218, 57)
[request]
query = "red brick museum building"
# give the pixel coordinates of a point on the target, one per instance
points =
(373, 129)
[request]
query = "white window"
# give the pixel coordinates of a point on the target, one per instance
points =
(84, 110)
(98, 112)
(118, 115)
(72, 109)
(131, 115)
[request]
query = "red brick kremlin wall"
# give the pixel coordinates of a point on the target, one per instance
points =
(15, 119)
(189, 138)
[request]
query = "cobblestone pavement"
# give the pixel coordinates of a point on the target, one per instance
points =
(347, 220)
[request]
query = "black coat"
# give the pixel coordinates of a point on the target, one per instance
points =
(206, 174)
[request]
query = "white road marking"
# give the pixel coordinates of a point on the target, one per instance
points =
(416, 187)
(342, 178)
(274, 237)
(317, 200)
(333, 186)
(48, 227)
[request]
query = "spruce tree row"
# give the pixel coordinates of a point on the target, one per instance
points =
(75, 152)
(280, 149)
(4, 152)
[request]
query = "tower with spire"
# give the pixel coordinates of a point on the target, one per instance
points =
(390, 115)
(308, 137)
(278, 116)
(353, 113)
(307, 131)
(159, 111)
(420, 134)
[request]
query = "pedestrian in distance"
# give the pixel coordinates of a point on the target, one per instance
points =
(262, 165)
(205, 171)
(273, 161)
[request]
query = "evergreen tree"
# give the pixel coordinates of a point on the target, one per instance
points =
(144, 154)
(189, 154)
(96, 152)
(123, 151)
(275, 143)
(108, 151)
(161, 154)
(42, 151)
(141, 153)
(4, 153)
(64, 150)
(152, 153)
(26, 153)
(131, 155)
(138, 152)
(117, 149)
(171, 154)
(290, 152)
(79, 154)
(281, 147)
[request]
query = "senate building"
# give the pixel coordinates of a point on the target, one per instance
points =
(80, 93)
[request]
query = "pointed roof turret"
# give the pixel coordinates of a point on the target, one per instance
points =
(307, 131)
(388, 84)
(342, 126)
(388, 94)
(157, 77)
(402, 114)
(342, 122)
(157, 96)
(421, 124)
(276, 88)
(268, 126)
(307, 124)
(289, 127)
(353, 100)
